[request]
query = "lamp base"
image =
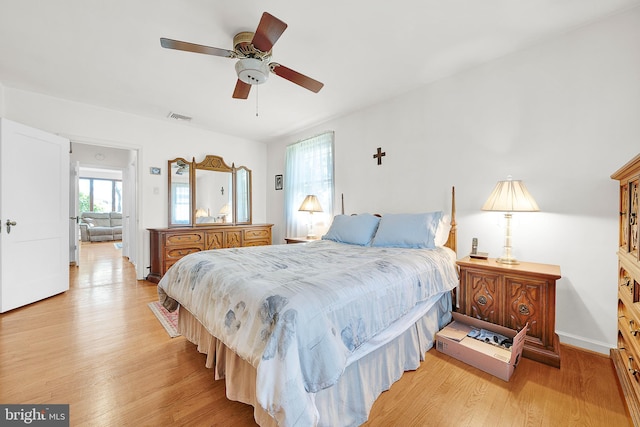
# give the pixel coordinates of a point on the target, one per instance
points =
(509, 261)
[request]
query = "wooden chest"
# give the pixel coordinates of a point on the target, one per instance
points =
(626, 357)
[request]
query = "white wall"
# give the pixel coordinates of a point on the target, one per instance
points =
(156, 140)
(96, 157)
(1, 100)
(562, 116)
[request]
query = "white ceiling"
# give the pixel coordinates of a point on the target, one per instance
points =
(108, 53)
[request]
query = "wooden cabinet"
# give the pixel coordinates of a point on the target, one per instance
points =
(626, 357)
(512, 296)
(168, 245)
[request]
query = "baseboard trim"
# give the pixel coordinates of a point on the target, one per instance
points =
(587, 344)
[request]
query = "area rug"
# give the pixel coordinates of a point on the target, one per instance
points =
(168, 320)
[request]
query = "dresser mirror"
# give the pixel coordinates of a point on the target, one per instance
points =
(243, 195)
(218, 194)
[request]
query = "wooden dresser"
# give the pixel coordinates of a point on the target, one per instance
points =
(626, 357)
(512, 296)
(168, 245)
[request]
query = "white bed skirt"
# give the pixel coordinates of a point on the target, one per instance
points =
(349, 401)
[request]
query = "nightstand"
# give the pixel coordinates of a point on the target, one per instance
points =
(511, 296)
(290, 240)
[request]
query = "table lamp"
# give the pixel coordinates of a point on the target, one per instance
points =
(509, 196)
(310, 204)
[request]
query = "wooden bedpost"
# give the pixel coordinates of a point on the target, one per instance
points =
(452, 241)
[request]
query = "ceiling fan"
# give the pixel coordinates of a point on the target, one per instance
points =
(253, 51)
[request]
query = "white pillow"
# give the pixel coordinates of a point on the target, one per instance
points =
(442, 232)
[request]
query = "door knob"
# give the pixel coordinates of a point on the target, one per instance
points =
(9, 223)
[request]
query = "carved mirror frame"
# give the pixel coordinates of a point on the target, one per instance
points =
(232, 205)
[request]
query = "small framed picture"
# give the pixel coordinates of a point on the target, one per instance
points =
(278, 182)
(154, 171)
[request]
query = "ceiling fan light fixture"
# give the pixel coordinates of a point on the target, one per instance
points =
(252, 71)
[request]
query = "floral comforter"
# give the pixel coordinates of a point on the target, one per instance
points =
(296, 312)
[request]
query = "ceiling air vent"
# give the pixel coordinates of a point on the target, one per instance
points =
(180, 117)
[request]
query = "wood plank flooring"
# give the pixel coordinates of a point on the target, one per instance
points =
(100, 349)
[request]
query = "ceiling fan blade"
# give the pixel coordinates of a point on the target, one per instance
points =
(242, 90)
(296, 77)
(269, 31)
(196, 48)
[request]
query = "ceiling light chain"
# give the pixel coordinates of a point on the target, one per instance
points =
(257, 91)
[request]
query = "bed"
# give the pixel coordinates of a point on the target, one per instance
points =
(311, 334)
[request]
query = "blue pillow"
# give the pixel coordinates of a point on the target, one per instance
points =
(353, 229)
(408, 230)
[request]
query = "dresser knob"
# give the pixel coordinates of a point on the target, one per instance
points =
(523, 309)
(482, 300)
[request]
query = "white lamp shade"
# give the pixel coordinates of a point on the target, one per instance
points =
(310, 204)
(510, 196)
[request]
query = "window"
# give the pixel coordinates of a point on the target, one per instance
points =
(100, 195)
(309, 170)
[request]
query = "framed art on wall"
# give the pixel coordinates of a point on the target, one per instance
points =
(278, 182)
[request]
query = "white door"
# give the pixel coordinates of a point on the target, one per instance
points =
(34, 201)
(74, 214)
(129, 223)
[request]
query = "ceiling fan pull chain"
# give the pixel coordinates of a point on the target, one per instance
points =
(257, 91)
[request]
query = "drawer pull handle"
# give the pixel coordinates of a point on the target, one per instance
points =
(482, 300)
(632, 370)
(634, 332)
(523, 309)
(626, 281)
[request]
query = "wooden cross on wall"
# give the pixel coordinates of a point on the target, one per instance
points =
(379, 155)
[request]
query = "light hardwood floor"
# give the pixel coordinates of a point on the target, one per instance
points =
(100, 349)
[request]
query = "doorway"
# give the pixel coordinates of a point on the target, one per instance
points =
(111, 163)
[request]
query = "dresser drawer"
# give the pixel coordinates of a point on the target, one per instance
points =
(177, 253)
(628, 286)
(263, 234)
(183, 239)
